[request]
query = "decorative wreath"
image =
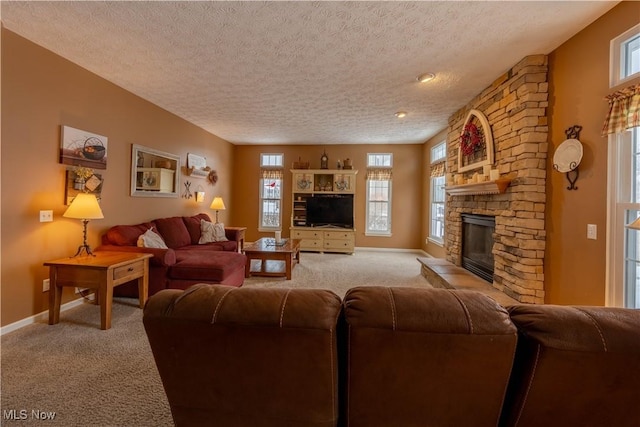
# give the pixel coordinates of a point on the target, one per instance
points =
(470, 140)
(212, 177)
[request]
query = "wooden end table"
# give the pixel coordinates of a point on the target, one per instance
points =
(240, 232)
(265, 250)
(101, 272)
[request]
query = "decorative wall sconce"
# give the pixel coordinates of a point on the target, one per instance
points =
(568, 156)
(199, 193)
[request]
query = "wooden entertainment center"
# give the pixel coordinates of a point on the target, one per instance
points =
(323, 183)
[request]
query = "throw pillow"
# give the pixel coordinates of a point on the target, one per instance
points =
(210, 232)
(151, 239)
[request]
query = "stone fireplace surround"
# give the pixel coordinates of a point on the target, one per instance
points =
(515, 105)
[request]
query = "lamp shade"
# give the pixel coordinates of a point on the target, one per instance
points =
(635, 224)
(217, 204)
(84, 206)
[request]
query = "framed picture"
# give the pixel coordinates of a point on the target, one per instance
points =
(76, 184)
(82, 148)
(154, 173)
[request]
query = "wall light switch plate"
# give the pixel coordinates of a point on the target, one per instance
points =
(46, 216)
(45, 285)
(592, 231)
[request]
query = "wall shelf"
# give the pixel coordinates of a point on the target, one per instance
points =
(498, 186)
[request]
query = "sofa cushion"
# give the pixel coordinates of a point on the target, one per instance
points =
(126, 235)
(228, 245)
(151, 239)
(193, 226)
(206, 266)
(211, 232)
(173, 231)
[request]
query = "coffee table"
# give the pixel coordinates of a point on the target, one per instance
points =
(271, 256)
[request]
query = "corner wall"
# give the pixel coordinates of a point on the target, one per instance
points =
(407, 188)
(575, 267)
(42, 91)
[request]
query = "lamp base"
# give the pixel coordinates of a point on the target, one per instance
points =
(85, 248)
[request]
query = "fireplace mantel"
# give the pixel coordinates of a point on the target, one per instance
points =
(498, 186)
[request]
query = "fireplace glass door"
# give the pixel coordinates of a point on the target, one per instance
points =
(477, 244)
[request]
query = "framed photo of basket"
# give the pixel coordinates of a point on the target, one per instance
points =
(476, 143)
(82, 148)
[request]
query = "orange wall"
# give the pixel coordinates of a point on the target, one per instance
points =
(41, 92)
(579, 80)
(406, 188)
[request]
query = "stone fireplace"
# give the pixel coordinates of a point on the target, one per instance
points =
(515, 106)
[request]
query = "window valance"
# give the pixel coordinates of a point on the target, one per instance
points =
(272, 174)
(624, 110)
(437, 169)
(379, 174)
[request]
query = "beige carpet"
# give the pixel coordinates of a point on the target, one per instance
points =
(340, 272)
(90, 377)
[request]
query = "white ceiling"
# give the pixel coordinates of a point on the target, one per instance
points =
(303, 72)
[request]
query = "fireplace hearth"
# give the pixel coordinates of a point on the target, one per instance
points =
(477, 244)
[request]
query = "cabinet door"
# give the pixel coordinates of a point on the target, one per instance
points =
(343, 182)
(303, 182)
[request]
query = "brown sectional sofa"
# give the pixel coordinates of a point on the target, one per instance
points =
(259, 357)
(390, 357)
(185, 262)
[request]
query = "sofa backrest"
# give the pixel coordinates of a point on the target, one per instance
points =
(576, 366)
(193, 226)
(232, 356)
(176, 231)
(424, 357)
(126, 235)
(173, 231)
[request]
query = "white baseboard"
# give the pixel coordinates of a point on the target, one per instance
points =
(42, 316)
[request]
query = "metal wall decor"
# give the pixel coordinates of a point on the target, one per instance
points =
(568, 155)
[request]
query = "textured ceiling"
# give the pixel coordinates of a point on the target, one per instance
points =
(302, 72)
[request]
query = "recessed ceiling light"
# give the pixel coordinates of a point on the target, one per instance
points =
(426, 77)
(401, 114)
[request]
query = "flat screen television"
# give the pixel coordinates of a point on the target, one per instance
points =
(330, 210)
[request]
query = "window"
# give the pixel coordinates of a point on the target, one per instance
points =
(624, 258)
(379, 194)
(625, 56)
(622, 125)
(437, 193)
(271, 191)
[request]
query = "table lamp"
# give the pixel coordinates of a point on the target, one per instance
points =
(85, 207)
(217, 205)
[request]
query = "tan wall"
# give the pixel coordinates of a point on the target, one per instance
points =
(41, 92)
(579, 80)
(406, 188)
(431, 248)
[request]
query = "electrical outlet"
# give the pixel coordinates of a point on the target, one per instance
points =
(592, 231)
(45, 285)
(46, 216)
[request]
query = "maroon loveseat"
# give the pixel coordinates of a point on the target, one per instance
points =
(185, 262)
